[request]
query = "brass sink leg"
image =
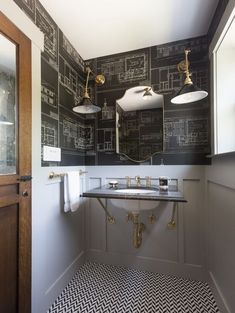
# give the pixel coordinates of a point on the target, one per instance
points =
(138, 229)
(172, 223)
(110, 218)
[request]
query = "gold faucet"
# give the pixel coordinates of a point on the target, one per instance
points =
(138, 183)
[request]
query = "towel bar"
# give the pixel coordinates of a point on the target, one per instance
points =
(57, 175)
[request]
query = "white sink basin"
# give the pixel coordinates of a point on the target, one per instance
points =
(135, 206)
(134, 191)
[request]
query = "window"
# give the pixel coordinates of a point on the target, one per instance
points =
(224, 88)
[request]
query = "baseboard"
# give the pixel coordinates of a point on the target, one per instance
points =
(221, 302)
(148, 264)
(61, 282)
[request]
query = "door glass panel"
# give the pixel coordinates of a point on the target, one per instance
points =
(8, 98)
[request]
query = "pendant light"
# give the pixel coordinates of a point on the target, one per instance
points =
(86, 106)
(189, 92)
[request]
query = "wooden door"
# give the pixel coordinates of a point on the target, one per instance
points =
(15, 169)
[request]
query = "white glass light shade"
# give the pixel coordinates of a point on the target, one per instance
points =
(188, 94)
(86, 107)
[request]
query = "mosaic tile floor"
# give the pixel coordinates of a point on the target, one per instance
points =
(99, 288)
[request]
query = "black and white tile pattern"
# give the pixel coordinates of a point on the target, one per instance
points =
(98, 288)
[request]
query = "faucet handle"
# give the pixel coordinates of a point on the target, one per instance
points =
(148, 181)
(128, 181)
(137, 178)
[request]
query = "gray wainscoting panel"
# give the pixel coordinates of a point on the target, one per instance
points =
(97, 234)
(221, 205)
(96, 219)
(193, 221)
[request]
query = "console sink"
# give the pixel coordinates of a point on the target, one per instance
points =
(134, 191)
(134, 199)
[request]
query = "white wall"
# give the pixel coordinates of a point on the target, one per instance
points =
(178, 252)
(57, 238)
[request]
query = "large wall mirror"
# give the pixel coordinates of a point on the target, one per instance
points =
(139, 123)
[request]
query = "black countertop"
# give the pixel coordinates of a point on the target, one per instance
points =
(107, 192)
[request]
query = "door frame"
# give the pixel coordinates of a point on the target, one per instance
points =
(8, 29)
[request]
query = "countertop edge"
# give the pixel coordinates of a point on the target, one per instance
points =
(99, 193)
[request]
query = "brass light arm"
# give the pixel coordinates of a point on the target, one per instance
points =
(86, 95)
(187, 79)
(183, 67)
(99, 79)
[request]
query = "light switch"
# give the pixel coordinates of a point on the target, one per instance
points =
(51, 154)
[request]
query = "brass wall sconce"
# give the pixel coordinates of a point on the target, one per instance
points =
(86, 106)
(189, 92)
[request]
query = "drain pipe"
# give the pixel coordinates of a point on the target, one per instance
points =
(138, 229)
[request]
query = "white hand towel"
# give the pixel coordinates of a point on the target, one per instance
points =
(66, 196)
(72, 191)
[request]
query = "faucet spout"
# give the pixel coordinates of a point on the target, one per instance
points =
(138, 182)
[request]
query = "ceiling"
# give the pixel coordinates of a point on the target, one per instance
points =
(104, 27)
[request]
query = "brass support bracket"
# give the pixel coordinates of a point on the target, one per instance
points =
(110, 218)
(172, 223)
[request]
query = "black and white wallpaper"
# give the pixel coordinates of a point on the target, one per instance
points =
(90, 139)
(63, 74)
